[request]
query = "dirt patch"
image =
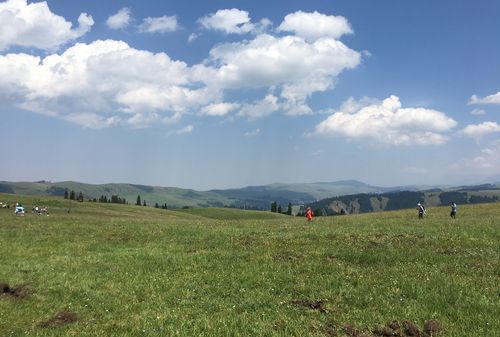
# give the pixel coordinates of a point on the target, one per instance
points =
(432, 327)
(332, 258)
(405, 328)
(319, 305)
(19, 292)
(385, 331)
(350, 330)
(63, 318)
(410, 329)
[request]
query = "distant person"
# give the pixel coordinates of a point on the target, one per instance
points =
(453, 210)
(421, 210)
(309, 214)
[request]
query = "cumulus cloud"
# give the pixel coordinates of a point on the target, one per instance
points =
(102, 84)
(108, 83)
(260, 108)
(387, 122)
(119, 20)
(233, 21)
(478, 131)
(491, 99)
(478, 112)
(486, 162)
(295, 67)
(219, 109)
(34, 25)
(162, 24)
(313, 26)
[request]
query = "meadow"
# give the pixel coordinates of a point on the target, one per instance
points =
(116, 270)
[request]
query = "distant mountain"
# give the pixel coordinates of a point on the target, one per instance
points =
(375, 202)
(494, 180)
(251, 197)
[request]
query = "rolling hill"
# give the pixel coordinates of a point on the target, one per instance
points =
(350, 195)
(370, 202)
(252, 197)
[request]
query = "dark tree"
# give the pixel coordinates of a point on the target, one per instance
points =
(80, 197)
(279, 209)
(156, 205)
(289, 210)
(274, 207)
(72, 195)
(144, 203)
(138, 202)
(66, 194)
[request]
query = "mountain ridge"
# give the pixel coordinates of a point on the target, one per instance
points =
(249, 197)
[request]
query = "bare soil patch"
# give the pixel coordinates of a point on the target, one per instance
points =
(62, 318)
(432, 327)
(319, 305)
(404, 328)
(19, 292)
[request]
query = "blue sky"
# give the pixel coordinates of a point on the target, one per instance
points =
(219, 94)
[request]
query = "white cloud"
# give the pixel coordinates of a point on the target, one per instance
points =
(486, 162)
(252, 133)
(192, 37)
(233, 21)
(260, 108)
(291, 65)
(161, 24)
(119, 20)
(34, 25)
(478, 131)
(108, 83)
(478, 112)
(387, 122)
(181, 131)
(187, 129)
(313, 26)
(219, 109)
(103, 84)
(491, 99)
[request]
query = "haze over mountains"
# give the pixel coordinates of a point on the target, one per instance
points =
(251, 197)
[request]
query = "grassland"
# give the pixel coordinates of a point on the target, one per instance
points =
(137, 271)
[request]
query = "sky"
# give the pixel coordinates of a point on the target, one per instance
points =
(226, 94)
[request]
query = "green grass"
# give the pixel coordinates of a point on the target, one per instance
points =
(138, 271)
(232, 214)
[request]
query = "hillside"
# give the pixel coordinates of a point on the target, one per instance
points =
(369, 202)
(350, 195)
(253, 197)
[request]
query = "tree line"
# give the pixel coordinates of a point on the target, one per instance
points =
(276, 208)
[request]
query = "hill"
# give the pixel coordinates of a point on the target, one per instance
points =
(252, 197)
(351, 195)
(369, 202)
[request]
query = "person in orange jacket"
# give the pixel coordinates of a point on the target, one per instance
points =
(309, 214)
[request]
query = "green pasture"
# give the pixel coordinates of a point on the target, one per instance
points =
(139, 271)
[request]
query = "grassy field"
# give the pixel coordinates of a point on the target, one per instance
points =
(135, 271)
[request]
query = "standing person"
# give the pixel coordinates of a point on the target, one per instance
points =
(309, 214)
(421, 210)
(453, 210)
